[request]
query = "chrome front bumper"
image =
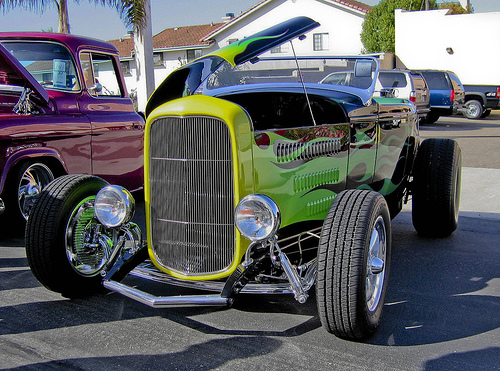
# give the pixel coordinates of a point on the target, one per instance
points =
(167, 301)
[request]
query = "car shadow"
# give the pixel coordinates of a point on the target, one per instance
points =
(440, 290)
(209, 355)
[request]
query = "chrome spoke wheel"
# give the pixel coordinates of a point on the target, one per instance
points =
(32, 181)
(375, 265)
(87, 248)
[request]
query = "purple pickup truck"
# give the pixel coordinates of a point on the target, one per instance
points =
(64, 109)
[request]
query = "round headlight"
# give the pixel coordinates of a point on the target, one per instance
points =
(257, 217)
(114, 206)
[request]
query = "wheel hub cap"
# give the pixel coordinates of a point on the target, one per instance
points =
(375, 266)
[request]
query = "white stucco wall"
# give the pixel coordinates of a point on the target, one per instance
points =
(422, 39)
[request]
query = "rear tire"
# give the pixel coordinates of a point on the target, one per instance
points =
(486, 113)
(59, 255)
(474, 109)
(431, 118)
(436, 187)
(353, 264)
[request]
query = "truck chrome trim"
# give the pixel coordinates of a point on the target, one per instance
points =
(166, 301)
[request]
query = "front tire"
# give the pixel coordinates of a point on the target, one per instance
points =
(436, 187)
(353, 264)
(474, 109)
(62, 249)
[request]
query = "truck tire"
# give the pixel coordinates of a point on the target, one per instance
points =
(353, 264)
(58, 253)
(474, 109)
(431, 118)
(486, 113)
(436, 187)
(22, 188)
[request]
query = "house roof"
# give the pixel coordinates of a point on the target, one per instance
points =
(200, 36)
(355, 5)
(171, 38)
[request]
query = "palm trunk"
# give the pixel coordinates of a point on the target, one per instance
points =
(63, 16)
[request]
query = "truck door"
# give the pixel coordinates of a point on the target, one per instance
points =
(117, 130)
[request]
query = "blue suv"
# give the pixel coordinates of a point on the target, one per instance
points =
(447, 94)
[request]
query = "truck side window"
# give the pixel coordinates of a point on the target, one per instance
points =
(99, 73)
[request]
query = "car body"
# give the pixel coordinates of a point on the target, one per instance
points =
(64, 109)
(259, 180)
(447, 94)
(405, 84)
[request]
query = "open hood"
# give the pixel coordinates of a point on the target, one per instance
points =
(13, 73)
(185, 80)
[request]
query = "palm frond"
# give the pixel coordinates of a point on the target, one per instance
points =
(132, 12)
(37, 6)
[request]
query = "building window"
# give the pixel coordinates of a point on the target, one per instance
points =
(284, 48)
(321, 41)
(125, 65)
(158, 59)
(192, 54)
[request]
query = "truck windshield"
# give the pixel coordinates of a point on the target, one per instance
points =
(49, 63)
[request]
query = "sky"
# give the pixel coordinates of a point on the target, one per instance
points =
(104, 23)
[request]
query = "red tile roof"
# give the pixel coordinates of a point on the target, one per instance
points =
(193, 36)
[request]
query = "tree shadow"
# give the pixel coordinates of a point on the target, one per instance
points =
(478, 360)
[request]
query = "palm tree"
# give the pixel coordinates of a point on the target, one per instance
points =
(131, 11)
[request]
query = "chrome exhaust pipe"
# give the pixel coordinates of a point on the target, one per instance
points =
(167, 301)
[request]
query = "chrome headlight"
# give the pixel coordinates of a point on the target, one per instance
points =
(257, 217)
(114, 206)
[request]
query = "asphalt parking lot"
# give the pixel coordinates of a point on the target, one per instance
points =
(442, 310)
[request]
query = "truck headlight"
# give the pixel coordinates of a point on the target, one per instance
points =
(257, 217)
(114, 206)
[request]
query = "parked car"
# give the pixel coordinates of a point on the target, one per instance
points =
(447, 94)
(63, 110)
(258, 179)
(405, 84)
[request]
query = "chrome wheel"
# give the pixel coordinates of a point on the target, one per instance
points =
(87, 249)
(32, 181)
(375, 265)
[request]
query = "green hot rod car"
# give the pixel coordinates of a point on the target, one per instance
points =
(258, 179)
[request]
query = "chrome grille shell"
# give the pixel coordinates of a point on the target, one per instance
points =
(191, 192)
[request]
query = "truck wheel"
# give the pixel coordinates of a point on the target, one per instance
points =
(474, 109)
(486, 113)
(353, 264)
(63, 252)
(431, 118)
(23, 188)
(436, 187)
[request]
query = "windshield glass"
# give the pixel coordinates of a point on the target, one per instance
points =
(49, 63)
(356, 73)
